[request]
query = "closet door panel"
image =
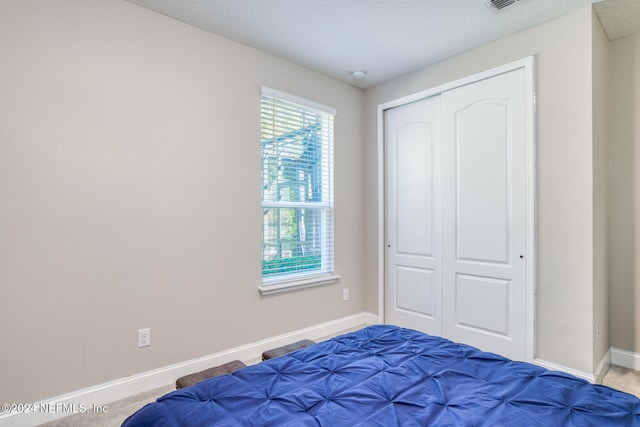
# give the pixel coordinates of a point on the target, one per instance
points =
(413, 175)
(482, 208)
(484, 214)
(413, 279)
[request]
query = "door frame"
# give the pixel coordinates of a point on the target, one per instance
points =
(528, 64)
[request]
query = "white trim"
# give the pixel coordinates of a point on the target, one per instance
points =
(556, 367)
(602, 367)
(532, 212)
(103, 394)
(267, 91)
(381, 217)
(625, 358)
(269, 287)
(437, 90)
(529, 66)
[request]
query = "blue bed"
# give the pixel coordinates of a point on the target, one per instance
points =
(388, 376)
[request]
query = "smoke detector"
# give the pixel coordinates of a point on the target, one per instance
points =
(499, 4)
(358, 75)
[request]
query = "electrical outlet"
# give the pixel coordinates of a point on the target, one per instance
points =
(144, 337)
(345, 294)
(597, 334)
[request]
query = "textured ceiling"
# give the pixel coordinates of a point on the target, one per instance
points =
(385, 38)
(619, 18)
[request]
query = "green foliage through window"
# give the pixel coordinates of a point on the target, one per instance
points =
(288, 265)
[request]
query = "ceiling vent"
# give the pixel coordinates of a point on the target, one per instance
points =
(500, 4)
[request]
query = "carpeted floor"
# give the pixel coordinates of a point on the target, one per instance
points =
(616, 377)
(623, 379)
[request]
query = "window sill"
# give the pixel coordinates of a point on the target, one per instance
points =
(277, 287)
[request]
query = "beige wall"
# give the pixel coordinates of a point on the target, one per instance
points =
(624, 219)
(130, 195)
(600, 105)
(565, 173)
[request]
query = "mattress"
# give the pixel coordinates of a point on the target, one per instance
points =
(384, 375)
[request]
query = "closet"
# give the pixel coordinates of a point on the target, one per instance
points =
(459, 211)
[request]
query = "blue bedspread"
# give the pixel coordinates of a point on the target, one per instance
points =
(388, 376)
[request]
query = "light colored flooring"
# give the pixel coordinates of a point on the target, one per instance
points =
(616, 377)
(623, 379)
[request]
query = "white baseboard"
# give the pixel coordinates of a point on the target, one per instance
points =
(595, 377)
(603, 367)
(62, 406)
(625, 358)
(556, 367)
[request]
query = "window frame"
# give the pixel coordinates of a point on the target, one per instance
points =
(302, 279)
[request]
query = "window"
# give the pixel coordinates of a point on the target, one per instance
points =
(297, 192)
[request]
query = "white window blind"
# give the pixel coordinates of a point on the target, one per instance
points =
(297, 188)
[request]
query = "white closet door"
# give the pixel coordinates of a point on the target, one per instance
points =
(413, 282)
(484, 210)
